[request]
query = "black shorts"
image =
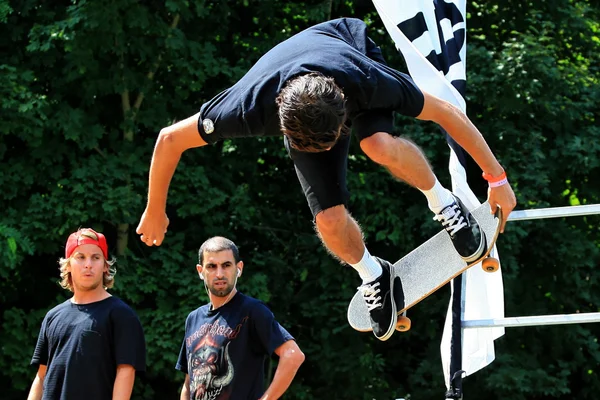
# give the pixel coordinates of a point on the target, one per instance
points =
(323, 175)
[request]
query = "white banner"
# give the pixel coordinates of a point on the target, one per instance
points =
(431, 35)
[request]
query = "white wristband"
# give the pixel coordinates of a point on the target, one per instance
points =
(499, 183)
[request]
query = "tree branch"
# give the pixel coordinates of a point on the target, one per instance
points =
(100, 152)
(125, 103)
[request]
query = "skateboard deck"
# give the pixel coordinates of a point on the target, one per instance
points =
(429, 267)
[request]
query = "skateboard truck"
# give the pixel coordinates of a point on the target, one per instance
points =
(455, 391)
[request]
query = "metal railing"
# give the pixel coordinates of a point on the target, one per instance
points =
(539, 320)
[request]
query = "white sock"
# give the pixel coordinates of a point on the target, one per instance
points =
(438, 197)
(367, 268)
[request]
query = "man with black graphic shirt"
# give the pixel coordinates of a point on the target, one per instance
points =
(227, 341)
(90, 346)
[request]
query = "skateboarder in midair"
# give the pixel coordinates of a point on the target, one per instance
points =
(314, 88)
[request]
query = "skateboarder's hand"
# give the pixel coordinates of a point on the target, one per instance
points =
(503, 197)
(152, 227)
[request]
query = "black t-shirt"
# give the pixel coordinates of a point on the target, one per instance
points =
(82, 344)
(340, 49)
(224, 350)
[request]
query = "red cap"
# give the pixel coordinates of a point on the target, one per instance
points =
(77, 239)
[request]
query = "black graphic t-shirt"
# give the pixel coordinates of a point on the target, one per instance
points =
(82, 344)
(224, 350)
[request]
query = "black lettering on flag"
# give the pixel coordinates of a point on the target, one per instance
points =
(416, 26)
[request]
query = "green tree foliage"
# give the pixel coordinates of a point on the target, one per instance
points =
(85, 87)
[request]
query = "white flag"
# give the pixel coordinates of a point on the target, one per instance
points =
(431, 35)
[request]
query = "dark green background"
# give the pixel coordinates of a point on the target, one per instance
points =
(86, 86)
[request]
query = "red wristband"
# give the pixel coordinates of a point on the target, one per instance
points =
(495, 181)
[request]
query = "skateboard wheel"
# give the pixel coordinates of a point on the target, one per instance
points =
(403, 324)
(490, 264)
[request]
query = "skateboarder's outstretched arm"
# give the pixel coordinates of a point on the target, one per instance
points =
(462, 130)
(171, 143)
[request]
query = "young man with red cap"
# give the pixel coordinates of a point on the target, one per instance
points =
(91, 345)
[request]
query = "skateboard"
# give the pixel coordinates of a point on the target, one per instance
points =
(428, 268)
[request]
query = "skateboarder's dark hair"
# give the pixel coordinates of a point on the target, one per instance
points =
(312, 112)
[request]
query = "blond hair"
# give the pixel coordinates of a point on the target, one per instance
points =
(66, 281)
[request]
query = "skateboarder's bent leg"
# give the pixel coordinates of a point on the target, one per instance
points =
(342, 236)
(406, 162)
(322, 176)
(401, 157)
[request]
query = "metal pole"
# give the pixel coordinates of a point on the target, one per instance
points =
(554, 212)
(540, 320)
